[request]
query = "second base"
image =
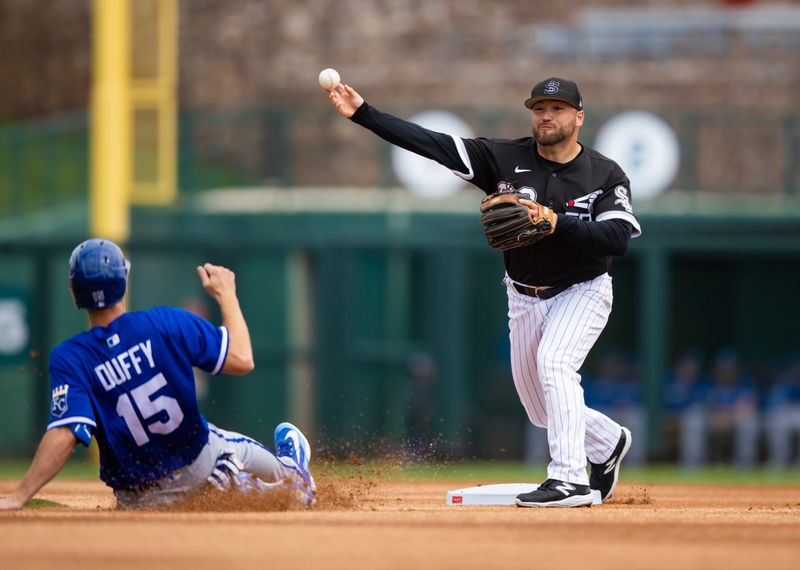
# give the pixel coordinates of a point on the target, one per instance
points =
(501, 494)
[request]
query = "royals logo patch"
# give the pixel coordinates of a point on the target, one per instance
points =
(58, 407)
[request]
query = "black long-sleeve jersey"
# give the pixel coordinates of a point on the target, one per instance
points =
(590, 194)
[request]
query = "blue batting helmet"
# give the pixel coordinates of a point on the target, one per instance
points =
(98, 274)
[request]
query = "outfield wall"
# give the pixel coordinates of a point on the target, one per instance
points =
(363, 322)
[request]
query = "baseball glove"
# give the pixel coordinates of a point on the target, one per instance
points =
(508, 223)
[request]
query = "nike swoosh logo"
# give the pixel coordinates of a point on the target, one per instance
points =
(517, 169)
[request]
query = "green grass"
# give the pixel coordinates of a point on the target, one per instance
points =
(716, 475)
(491, 471)
(43, 504)
(480, 472)
(75, 469)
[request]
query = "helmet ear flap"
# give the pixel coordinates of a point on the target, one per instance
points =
(98, 274)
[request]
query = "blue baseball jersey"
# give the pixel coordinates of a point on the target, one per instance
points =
(132, 382)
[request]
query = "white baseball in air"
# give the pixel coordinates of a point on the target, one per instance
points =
(328, 78)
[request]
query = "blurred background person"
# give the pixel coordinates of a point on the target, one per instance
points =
(420, 438)
(722, 424)
(684, 409)
(615, 391)
(782, 416)
(733, 410)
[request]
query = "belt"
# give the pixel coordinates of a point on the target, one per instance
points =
(539, 292)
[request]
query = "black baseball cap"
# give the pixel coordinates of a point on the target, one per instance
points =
(558, 89)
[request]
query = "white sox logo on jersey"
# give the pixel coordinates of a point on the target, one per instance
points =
(622, 198)
(505, 186)
(585, 203)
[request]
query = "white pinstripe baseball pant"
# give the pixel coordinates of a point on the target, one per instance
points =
(550, 339)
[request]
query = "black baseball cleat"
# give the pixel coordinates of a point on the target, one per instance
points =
(555, 493)
(604, 476)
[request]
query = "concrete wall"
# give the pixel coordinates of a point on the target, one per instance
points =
(480, 53)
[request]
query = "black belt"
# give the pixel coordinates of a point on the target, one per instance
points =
(539, 292)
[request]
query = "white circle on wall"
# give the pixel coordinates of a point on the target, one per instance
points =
(423, 176)
(13, 327)
(646, 148)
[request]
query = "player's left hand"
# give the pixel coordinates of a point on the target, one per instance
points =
(511, 219)
(10, 504)
(226, 471)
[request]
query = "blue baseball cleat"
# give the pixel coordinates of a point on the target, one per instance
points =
(294, 452)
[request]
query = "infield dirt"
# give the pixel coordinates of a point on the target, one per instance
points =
(364, 524)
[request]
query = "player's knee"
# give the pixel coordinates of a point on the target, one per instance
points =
(552, 367)
(537, 421)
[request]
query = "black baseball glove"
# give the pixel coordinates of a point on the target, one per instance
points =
(508, 223)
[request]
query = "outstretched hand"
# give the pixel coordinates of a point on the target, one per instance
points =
(220, 283)
(345, 99)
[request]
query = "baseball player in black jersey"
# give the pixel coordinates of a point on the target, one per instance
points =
(559, 291)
